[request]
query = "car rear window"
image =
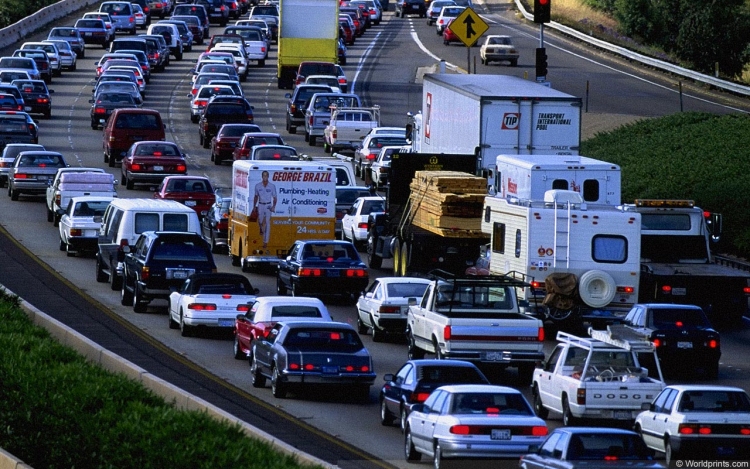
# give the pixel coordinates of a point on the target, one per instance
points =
(275, 154)
(150, 222)
(170, 249)
(295, 311)
(330, 339)
(13, 126)
(224, 109)
(450, 374)
(42, 161)
(318, 69)
(137, 121)
(406, 290)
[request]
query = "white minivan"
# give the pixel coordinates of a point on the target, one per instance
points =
(125, 219)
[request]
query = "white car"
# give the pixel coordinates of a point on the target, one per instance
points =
(472, 421)
(80, 222)
(329, 80)
(354, 223)
(55, 64)
(210, 300)
(380, 168)
(68, 57)
(701, 421)
(447, 13)
(240, 57)
(433, 11)
(498, 48)
(383, 306)
(365, 154)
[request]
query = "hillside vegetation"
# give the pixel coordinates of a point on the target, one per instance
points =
(695, 156)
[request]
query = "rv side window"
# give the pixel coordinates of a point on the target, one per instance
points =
(560, 184)
(175, 222)
(591, 190)
(146, 222)
(518, 243)
(498, 237)
(609, 249)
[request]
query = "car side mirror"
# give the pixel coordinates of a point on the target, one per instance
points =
(368, 295)
(412, 302)
(60, 211)
(91, 101)
(647, 406)
(50, 91)
(241, 317)
(388, 377)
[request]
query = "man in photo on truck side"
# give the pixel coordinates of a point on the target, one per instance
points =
(265, 200)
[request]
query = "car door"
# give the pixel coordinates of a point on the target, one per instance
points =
(367, 303)
(245, 325)
(287, 266)
(394, 391)
(545, 457)
(417, 421)
(131, 262)
(263, 349)
(429, 422)
(347, 222)
(654, 425)
(547, 390)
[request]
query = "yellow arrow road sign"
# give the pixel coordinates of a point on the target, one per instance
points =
(468, 26)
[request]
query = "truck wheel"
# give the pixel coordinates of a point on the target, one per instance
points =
(115, 282)
(292, 129)
(414, 352)
(568, 419)
(438, 353)
(403, 267)
(55, 219)
(541, 411)
(312, 139)
(396, 258)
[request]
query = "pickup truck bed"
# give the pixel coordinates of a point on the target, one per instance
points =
(348, 127)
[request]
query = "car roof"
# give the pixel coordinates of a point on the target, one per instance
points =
(596, 430)
(318, 324)
(389, 280)
(667, 306)
(704, 387)
(442, 363)
(286, 300)
(456, 388)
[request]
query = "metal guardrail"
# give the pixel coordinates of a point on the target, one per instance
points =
(636, 57)
(732, 262)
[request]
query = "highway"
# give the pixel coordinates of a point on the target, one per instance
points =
(383, 66)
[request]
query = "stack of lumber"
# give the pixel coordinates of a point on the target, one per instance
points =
(448, 203)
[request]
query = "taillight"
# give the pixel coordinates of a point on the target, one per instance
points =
(713, 343)
(657, 343)
(243, 308)
(308, 272)
(76, 232)
(100, 110)
(202, 307)
(181, 168)
(135, 167)
(342, 81)
(390, 309)
(21, 176)
(419, 396)
(356, 273)
(58, 199)
(145, 272)
(626, 290)
(370, 156)
(540, 334)
(334, 133)
(362, 226)
(447, 333)
(460, 429)
(693, 429)
(581, 396)
(666, 289)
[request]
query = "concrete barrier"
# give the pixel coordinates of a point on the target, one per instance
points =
(169, 392)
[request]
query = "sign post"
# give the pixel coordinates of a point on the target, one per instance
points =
(468, 27)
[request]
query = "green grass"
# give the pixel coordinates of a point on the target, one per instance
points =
(703, 157)
(59, 411)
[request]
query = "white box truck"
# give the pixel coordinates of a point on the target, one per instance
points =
(530, 176)
(275, 203)
(584, 259)
(489, 115)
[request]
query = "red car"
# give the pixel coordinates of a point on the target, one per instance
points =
(195, 192)
(150, 161)
(448, 35)
(226, 139)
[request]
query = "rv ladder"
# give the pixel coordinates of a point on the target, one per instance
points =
(562, 235)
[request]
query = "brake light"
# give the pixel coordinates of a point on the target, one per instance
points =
(181, 168)
(420, 396)
(308, 272)
(362, 226)
(21, 176)
(746, 290)
(76, 232)
(657, 343)
(666, 289)
(460, 429)
(294, 366)
(200, 102)
(202, 307)
(135, 167)
(390, 309)
(447, 333)
(356, 273)
(370, 156)
(581, 396)
(627, 290)
(335, 133)
(145, 272)
(713, 343)
(243, 308)
(540, 334)
(342, 81)
(100, 110)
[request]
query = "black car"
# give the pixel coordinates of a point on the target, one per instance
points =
(411, 7)
(215, 225)
(227, 110)
(315, 268)
(105, 103)
(159, 262)
(298, 101)
(94, 31)
(194, 10)
(36, 96)
(217, 10)
(414, 382)
(299, 354)
(17, 127)
(682, 335)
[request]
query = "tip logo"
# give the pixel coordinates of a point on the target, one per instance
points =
(510, 121)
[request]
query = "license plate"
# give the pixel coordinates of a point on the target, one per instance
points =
(330, 369)
(27, 108)
(87, 34)
(232, 144)
(500, 434)
(158, 168)
(226, 322)
(334, 273)
(217, 10)
(684, 345)
(136, 138)
(622, 414)
(493, 356)
(180, 274)
(190, 203)
(679, 291)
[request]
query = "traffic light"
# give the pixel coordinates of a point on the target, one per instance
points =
(542, 11)
(541, 61)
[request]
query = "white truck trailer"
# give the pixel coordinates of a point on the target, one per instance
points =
(584, 258)
(292, 200)
(530, 176)
(489, 115)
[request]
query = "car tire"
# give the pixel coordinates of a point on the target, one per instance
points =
(55, 219)
(101, 276)
(185, 330)
(14, 194)
(262, 63)
(669, 453)
(568, 418)
(129, 184)
(292, 129)
(139, 304)
(525, 373)
(63, 246)
(126, 296)
(439, 462)
(280, 287)
(312, 140)
(237, 350)
(206, 142)
(413, 352)
(50, 215)
(539, 409)
(307, 136)
(296, 290)
(410, 452)
(257, 378)
(111, 160)
(377, 334)
(278, 389)
(403, 417)
(362, 329)
(172, 323)
(115, 282)
(386, 417)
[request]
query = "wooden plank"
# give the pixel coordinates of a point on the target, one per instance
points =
(425, 218)
(450, 181)
(454, 233)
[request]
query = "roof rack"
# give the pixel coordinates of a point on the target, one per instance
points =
(617, 335)
(512, 278)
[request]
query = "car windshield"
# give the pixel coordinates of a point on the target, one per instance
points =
(678, 319)
(171, 250)
(342, 340)
(714, 401)
(603, 447)
(485, 403)
(295, 311)
(406, 290)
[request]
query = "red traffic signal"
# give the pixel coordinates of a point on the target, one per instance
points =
(542, 11)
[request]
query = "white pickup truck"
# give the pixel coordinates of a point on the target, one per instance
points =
(600, 377)
(348, 126)
(476, 319)
(76, 182)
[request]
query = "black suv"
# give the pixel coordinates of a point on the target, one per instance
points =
(295, 107)
(227, 110)
(159, 263)
(411, 7)
(218, 10)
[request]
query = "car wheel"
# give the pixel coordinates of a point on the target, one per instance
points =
(126, 296)
(439, 461)
(94, 125)
(257, 378)
(386, 417)
(669, 453)
(50, 215)
(361, 327)
(280, 287)
(200, 139)
(438, 352)
(101, 276)
(307, 136)
(139, 304)
(55, 219)
(410, 452)
(296, 290)
(129, 184)
(414, 352)
(193, 119)
(292, 129)
(206, 142)
(115, 282)
(262, 63)
(312, 140)
(539, 408)
(14, 194)
(403, 417)
(568, 418)
(278, 389)
(525, 373)
(63, 246)
(238, 353)
(185, 330)
(373, 260)
(377, 334)
(172, 323)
